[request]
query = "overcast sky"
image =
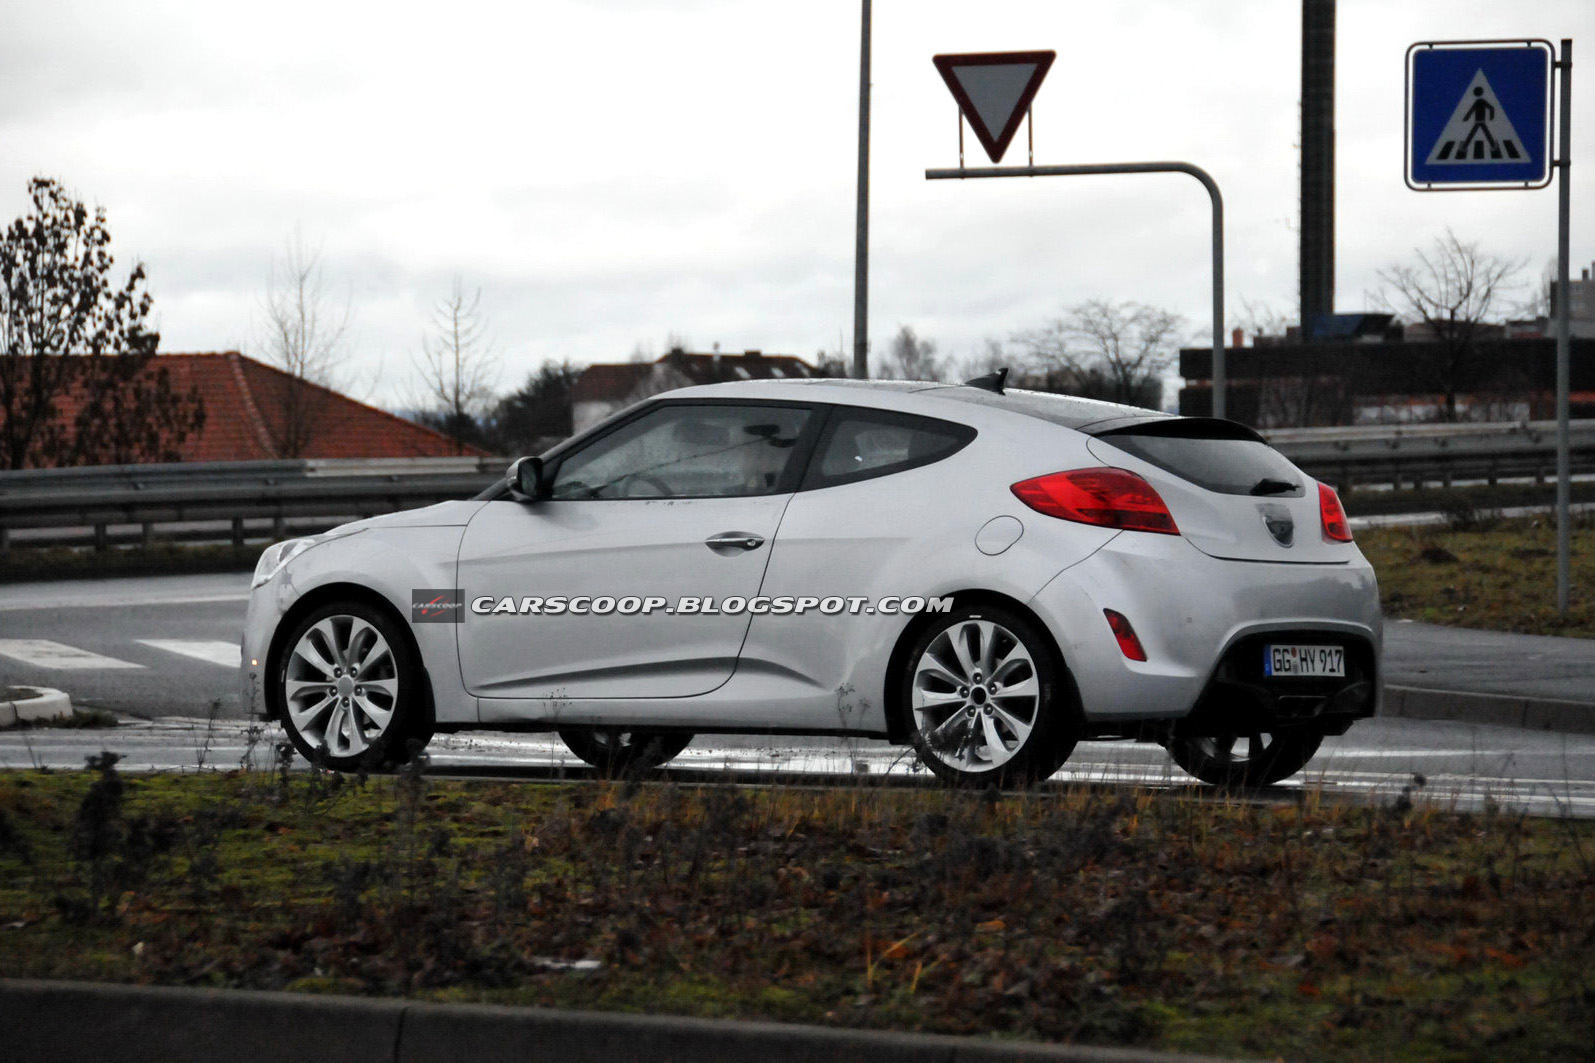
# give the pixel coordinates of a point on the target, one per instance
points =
(609, 172)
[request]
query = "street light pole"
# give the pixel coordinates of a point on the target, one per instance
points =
(861, 235)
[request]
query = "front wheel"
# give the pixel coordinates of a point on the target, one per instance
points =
(350, 691)
(985, 701)
(616, 752)
(1242, 761)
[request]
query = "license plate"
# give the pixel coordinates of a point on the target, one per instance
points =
(1304, 661)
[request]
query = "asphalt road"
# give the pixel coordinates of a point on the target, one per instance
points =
(161, 652)
(181, 633)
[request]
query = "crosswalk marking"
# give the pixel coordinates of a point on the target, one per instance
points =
(225, 654)
(46, 654)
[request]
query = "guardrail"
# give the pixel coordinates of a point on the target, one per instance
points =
(1434, 454)
(236, 501)
(225, 500)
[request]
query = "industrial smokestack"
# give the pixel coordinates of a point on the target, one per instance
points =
(1317, 266)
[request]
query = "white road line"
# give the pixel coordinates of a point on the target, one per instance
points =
(118, 601)
(46, 654)
(225, 654)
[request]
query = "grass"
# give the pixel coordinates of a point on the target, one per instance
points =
(1483, 572)
(23, 564)
(1309, 931)
(1436, 499)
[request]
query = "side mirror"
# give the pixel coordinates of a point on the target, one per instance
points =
(527, 477)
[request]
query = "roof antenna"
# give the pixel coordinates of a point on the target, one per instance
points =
(990, 382)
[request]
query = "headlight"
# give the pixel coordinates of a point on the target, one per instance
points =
(276, 556)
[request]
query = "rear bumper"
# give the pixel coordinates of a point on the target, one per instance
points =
(1203, 621)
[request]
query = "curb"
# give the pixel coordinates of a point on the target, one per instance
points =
(48, 704)
(1501, 710)
(67, 1022)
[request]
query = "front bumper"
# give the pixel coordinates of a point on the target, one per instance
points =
(259, 622)
(1199, 619)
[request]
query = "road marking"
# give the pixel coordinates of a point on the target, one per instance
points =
(46, 654)
(225, 654)
(117, 602)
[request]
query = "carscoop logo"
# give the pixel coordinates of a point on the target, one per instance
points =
(436, 605)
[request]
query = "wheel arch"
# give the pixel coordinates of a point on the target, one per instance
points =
(340, 592)
(896, 707)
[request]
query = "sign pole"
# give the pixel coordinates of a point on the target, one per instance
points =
(1137, 167)
(861, 234)
(1563, 369)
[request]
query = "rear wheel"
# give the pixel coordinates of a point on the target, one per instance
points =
(1238, 761)
(350, 690)
(616, 752)
(984, 699)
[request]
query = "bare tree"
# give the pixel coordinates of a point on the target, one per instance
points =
(992, 357)
(1451, 292)
(458, 367)
(304, 337)
(1106, 350)
(911, 358)
(77, 381)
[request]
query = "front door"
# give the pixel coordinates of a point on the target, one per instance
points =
(682, 501)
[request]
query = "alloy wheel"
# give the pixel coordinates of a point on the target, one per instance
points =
(342, 685)
(976, 695)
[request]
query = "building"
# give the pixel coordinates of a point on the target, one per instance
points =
(604, 388)
(1580, 313)
(249, 406)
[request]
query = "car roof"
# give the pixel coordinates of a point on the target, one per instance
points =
(1068, 411)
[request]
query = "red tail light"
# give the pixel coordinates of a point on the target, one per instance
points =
(1332, 516)
(1109, 498)
(1129, 644)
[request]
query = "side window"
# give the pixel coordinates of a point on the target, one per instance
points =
(861, 444)
(683, 451)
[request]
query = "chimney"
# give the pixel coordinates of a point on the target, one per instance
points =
(752, 354)
(1317, 251)
(1237, 337)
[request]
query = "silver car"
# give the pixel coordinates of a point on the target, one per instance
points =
(987, 574)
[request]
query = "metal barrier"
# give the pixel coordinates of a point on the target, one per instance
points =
(226, 500)
(252, 499)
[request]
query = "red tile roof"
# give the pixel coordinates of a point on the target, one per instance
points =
(244, 413)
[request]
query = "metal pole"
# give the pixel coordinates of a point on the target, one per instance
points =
(1564, 545)
(1137, 167)
(861, 235)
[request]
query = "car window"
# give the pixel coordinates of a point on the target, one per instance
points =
(861, 444)
(686, 451)
(1231, 460)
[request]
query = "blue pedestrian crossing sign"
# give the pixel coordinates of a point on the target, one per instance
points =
(1478, 115)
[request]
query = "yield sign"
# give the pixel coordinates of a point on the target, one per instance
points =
(994, 90)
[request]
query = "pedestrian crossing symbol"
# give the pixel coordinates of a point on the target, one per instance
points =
(1478, 132)
(1478, 115)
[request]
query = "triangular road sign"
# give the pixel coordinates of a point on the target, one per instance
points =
(1479, 132)
(994, 90)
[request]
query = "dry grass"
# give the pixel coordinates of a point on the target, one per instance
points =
(1315, 931)
(1483, 572)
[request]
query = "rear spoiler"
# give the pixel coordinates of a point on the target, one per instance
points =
(1174, 428)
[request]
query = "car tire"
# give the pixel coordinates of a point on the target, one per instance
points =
(614, 751)
(1268, 758)
(984, 699)
(350, 691)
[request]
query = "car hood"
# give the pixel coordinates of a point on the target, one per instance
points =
(443, 515)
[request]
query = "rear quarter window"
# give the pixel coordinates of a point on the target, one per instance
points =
(863, 444)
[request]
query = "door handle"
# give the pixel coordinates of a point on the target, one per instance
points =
(727, 541)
